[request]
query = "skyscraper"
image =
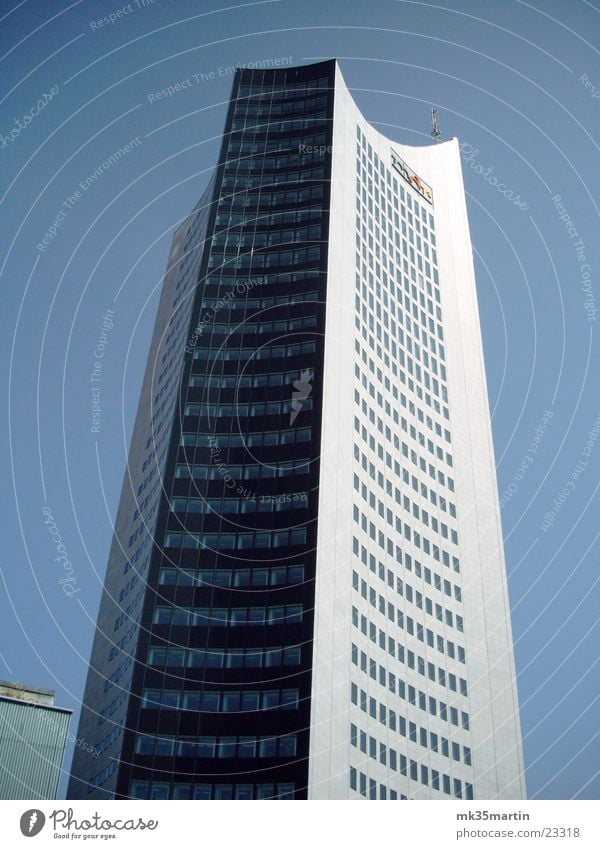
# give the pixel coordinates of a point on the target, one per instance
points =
(306, 594)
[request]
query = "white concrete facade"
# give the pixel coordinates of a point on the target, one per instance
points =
(414, 693)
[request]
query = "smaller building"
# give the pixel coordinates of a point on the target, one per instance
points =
(33, 733)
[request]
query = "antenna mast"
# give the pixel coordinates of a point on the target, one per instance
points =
(435, 127)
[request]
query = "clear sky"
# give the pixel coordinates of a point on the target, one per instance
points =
(518, 83)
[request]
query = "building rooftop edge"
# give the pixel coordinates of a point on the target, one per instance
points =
(26, 688)
(250, 67)
(31, 703)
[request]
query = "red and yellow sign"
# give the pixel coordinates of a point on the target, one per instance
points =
(411, 178)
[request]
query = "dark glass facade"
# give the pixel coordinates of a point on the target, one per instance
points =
(220, 693)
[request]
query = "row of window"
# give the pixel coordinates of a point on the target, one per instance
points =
(182, 790)
(380, 232)
(409, 453)
(258, 577)
(260, 259)
(418, 512)
(419, 253)
(250, 146)
(101, 777)
(233, 220)
(287, 126)
(282, 89)
(413, 661)
(403, 205)
(409, 693)
(225, 281)
(372, 264)
(386, 182)
(380, 181)
(411, 535)
(267, 199)
(300, 175)
(260, 408)
(412, 300)
(226, 506)
(412, 595)
(279, 326)
(232, 240)
(230, 617)
(276, 89)
(452, 619)
(236, 542)
(420, 487)
(217, 747)
(113, 707)
(290, 436)
(259, 303)
(433, 579)
(417, 734)
(424, 667)
(387, 756)
(431, 360)
(431, 384)
(108, 740)
(423, 377)
(246, 164)
(369, 213)
(247, 381)
(248, 472)
(258, 106)
(121, 670)
(266, 353)
(382, 298)
(402, 472)
(253, 658)
(421, 395)
(424, 635)
(377, 168)
(156, 447)
(293, 95)
(419, 437)
(358, 782)
(124, 641)
(222, 701)
(391, 410)
(423, 331)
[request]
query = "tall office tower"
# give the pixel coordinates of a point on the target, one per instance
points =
(306, 595)
(33, 734)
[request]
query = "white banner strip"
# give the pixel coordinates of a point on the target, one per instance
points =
(297, 826)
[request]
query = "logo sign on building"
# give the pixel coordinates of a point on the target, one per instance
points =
(411, 178)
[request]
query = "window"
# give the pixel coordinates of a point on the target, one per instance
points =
(247, 747)
(287, 746)
(144, 745)
(268, 747)
(250, 700)
(139, 789)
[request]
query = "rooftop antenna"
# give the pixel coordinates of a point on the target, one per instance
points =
(435, 127)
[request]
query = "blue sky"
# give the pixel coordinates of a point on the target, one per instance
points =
(518, 83)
